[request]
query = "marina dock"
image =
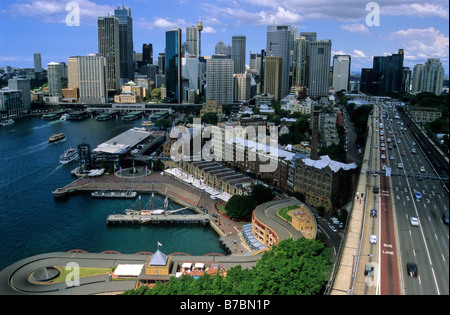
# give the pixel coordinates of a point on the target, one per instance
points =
(114, 194)
(157, 219)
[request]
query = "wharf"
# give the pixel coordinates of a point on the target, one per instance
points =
(156, 219)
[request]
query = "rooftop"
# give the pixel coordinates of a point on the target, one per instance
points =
(123, 142)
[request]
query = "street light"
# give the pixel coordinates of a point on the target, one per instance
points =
(350, 290)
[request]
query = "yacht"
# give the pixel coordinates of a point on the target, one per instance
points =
(68, 156)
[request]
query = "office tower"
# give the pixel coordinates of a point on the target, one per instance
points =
(37, 63)
(222, 49)
(108, 47)
(173, 65)
(391, 72)
(279, 45)
(300, 61)
(315, 135)
(92, 79)
(319, 68)
(242, 86)
(72, 73)
(162, 63)
(125, 43)
(147, 54)
(192, 40)
(24, 87)
(341, 72)
(255, 63)
(417, 77)
(54, 82)
(190, 70)
(219, 79)
(273, 76)
(432, 77)
(200, 29)
(406, 80)
(238, 47)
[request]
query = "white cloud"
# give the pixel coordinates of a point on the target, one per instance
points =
(355, 28)
(54, 11)
(420, 44)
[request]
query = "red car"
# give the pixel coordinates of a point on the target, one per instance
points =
(403, 153)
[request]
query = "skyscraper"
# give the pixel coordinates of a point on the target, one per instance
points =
(279, 45)
(108, 47)
(37, 63)
(192, 40)
(147, 54)
(319, 68)
(219, 79)
(238, 47)
(391, 72)
(300, 61)
(54, 82)
(341, 72)
(432, 76)
(273, 76)
(92, 79)
(173, 65)
(417, 77)
(125, 43)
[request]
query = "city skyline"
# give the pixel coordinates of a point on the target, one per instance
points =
(421, 29)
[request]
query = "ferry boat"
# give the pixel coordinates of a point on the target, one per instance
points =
(147, 123)
(68, 156)
(56, 137)
(7, 122)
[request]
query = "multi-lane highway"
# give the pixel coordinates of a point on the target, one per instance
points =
(404, 208)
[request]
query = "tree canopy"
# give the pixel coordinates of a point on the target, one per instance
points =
(241, 207)
(292, 267)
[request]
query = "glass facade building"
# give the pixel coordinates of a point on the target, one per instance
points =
(173, 65)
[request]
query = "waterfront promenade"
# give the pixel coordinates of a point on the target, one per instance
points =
(178, 191)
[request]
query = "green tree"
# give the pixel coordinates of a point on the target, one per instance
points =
(240, 207)
(210, 118)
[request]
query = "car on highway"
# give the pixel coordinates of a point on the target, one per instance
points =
(368, 270)
(373, 213)
(418, 195)
(413, 271)
(383, 156)
(373, 239)
(413, 143)
(399, 141)
(413, 151)
(414, 221)
(422, 169)
(400, 165)
(392, 157)
(445, 217)
(403, 154)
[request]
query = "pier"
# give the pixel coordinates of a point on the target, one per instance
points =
(157, 219)
(114, 194)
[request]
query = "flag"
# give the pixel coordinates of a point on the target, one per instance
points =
(159, 244)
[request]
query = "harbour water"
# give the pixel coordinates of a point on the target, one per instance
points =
(32, 221)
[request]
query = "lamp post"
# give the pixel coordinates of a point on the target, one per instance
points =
(350, 289)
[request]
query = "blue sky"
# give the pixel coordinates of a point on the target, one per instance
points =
(420, 28)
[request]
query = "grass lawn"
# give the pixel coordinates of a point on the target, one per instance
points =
(283, 212)
(83, 272)
(221, 208)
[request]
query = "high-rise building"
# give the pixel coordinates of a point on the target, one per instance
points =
(391, 72)
(222, 49)
(242, 87)
(238, 47)
(173, 66)
(255, 63)
(92, 79)
(192, 40)
(147, 54)
(37, 63)
(72, 73)
(219, 79)
(273, 76)
(341, 72)
(125, 43)
(23, 86)
(300, 61)
(108, 47)
(432, 76)
(417, 77)
(319, 68)
(54, 82)
(279, 45)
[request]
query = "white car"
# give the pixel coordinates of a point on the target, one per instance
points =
(414, 221)
(383, 156)
(213, 197)
(373, 239)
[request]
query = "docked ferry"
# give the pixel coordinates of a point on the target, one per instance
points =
(68, 156)
(56, 137)
(7, 122)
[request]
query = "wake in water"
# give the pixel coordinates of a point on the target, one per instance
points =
(32, 149)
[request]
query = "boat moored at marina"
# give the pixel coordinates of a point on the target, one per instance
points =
(56, 137)
(68, 156)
